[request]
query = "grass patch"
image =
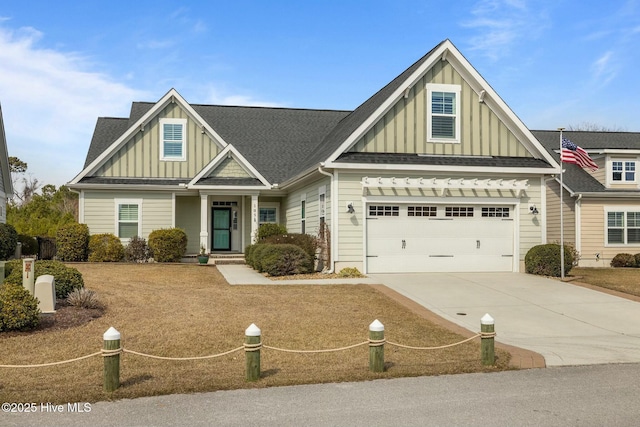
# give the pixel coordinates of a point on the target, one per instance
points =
(625, 280)
(186, 310)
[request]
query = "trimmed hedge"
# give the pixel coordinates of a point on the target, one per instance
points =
(168, 244)
(8, 241)
(66, 278)
(270, 229)
(544, 260)
(284, 260)
(18, 308)
(624, 260)
(72, 242)
(306, 242)
(105, 247)
(137, 250)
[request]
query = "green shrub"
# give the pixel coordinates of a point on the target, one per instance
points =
(284, 260)
(105, 247)
(137, 250)
(306, 242)
(545, 260)
(10, 266)
(18, 308)
(350, 272)
(66, 278)
(29, 245)
(624, 260)
(637, 258)
(8, 241)
(72, 241)
(248, 254)
(168, 244)
(256, 257)
(270, 229)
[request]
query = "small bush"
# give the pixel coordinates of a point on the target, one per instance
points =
(18, 308)
(284, 260)
(10, 266)
(545, 260)
(72, 242)
(624, 260)
(256, 257)
(29, 244)
(637, 257)
(306, 242)
(105, 248)
(270, 229)
(168, 244)
(350, 272)
(83, 298)
(248, 254)
(66, 278)
(137, 250)
(8, 241)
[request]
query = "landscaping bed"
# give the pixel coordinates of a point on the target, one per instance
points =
(183, 311)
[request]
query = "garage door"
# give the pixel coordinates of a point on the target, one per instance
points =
(438, 238)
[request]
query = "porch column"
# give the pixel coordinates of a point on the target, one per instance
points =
(254, 218)
(204, 223)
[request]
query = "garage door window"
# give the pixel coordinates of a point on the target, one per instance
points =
(458, 211)
(495, 212)
(377, 210)
(421, 211)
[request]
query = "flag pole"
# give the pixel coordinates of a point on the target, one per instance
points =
(561, 213)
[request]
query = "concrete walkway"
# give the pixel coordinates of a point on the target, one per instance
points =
(565, 323)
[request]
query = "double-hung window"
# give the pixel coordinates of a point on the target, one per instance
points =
(623, 171)
(623, 227)
(443, 113)
(128, 218)
(173, 139)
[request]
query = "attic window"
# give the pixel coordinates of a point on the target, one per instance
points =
(173, 139)
(443, 113)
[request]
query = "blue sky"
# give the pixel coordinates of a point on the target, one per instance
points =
(556, 63)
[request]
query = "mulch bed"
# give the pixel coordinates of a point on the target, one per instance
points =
(66, 316)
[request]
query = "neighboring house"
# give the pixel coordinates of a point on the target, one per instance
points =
(6, 187)
(601, 214)
(434, 172)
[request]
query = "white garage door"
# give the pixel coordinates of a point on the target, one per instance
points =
(437, 238)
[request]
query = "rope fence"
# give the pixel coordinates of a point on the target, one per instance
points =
(253, 346)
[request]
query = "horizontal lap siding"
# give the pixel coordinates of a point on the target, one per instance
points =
(553, 214)
(188, 218)
(312, 220)
(100, 214)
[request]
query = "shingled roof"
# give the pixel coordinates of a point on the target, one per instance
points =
(575, 178)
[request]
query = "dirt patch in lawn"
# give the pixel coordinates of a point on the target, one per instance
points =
(183, 310)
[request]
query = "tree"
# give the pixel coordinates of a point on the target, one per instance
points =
(43, 214)
(29, 184)
(594, 127)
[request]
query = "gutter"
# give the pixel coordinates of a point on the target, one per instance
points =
(333, 217)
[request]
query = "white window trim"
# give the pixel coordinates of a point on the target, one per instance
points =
(623, 209)
(119, 202)
(275, 205)
(303, 218)
(437, 87)
(182, 122)
(610, 180)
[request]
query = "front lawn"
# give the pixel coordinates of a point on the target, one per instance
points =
(625, 280)
(188, 310)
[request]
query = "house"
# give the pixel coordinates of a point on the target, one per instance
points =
(434, 172)
(6, 186)
(601, 208)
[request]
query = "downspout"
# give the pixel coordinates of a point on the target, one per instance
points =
(578, 223)
(333, 220)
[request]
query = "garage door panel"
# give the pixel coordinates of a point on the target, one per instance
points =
(422, 244)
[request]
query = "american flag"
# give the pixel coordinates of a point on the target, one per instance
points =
(571, 153)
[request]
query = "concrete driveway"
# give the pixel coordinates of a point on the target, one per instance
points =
(565, 323)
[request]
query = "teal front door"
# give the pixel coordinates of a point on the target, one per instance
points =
(221, 229)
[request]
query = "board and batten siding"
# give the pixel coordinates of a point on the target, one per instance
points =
(403, 129)
(351, 226)
(100, 210)
(593, 229)
(553, 214)
(140, 156)
(312, 204)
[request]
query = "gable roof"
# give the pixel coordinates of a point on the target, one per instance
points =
(576, 179)
(5, 172)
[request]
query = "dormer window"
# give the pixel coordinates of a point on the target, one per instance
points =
(623, 171)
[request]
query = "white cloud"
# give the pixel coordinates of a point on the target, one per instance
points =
(604, 68)
(50, 102)
(218, 96)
